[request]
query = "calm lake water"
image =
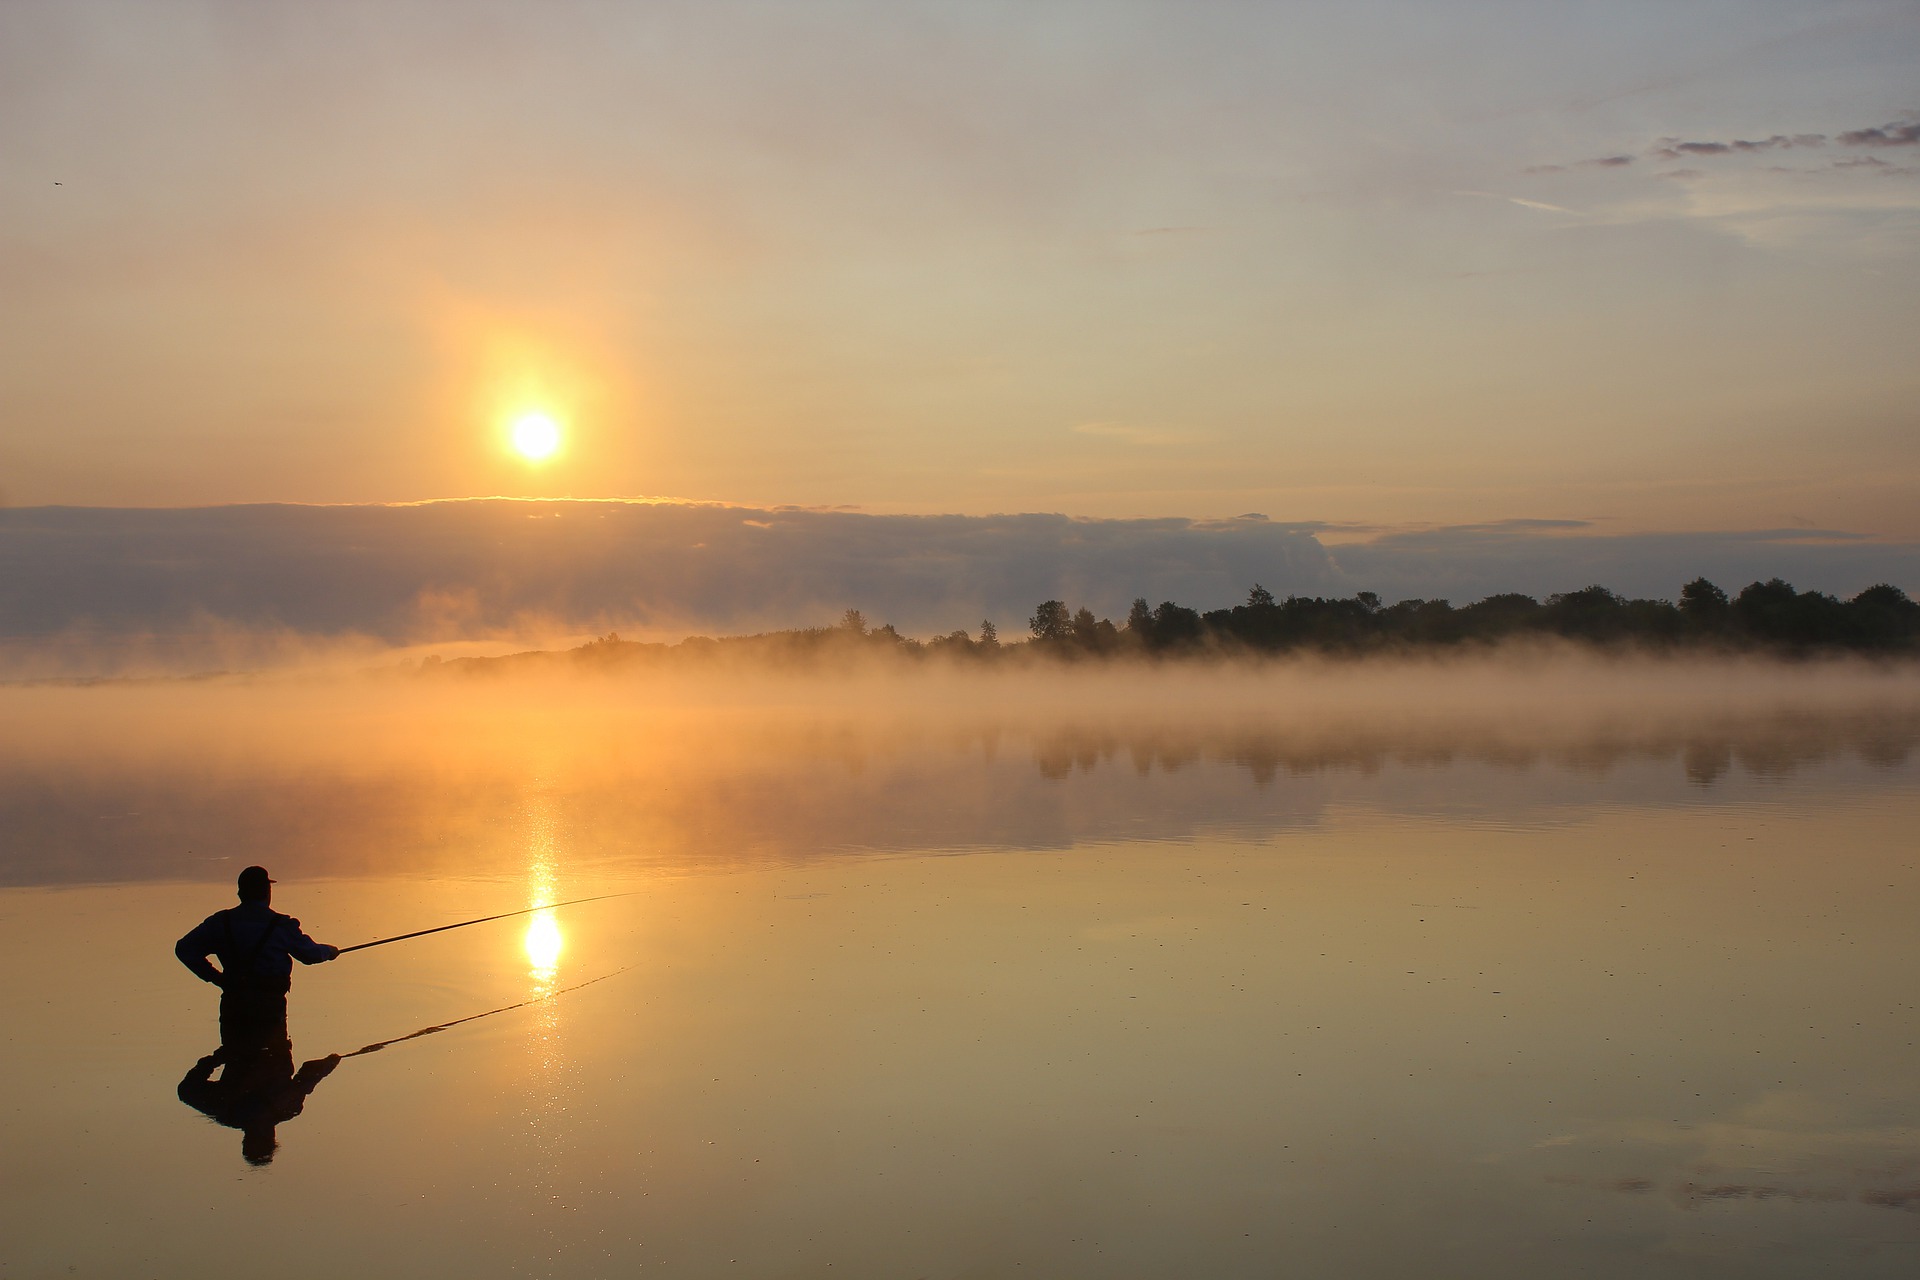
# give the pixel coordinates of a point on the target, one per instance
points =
(972, 985)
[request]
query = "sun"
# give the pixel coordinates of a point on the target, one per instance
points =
(536, 436)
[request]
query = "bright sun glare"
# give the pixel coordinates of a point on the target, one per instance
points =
(536, 436)
(543, 942)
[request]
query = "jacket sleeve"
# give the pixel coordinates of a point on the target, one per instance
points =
(305, 949)
(193, 950)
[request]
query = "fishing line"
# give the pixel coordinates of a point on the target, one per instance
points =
(504, 915)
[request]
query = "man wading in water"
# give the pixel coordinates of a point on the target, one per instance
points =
(258, 1087)
(257, 947)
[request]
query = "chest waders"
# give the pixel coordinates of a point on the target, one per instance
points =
(243, 971)
(253, 1005)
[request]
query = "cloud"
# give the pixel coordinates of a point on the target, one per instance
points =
(1674, 149)
(1766, 194)
(1898, 134)
(501, 568)
(1541, 205)
(1524, 203)
(1787, 1148)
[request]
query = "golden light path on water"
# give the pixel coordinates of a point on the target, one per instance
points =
(550, 1083)
(544, 944)
(542, 941)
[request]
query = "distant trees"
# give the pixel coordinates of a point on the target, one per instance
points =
(1050, 622)
(1770, 616)
(1883, 618)
(1096, 635)
(1773, 610)
(1175, 626)
(1703, 604)
(1079, 631)
(1767, 614)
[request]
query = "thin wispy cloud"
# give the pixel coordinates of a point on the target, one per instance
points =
(1597, 162)
(1540, 206)
(1675, 149)
(1904, 132)
(1813, 189)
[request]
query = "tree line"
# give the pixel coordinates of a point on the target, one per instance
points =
(1769, 614)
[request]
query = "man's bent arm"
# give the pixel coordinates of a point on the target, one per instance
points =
(193, 950)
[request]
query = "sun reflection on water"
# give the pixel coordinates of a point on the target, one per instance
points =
(544, 944)
(550, 1083)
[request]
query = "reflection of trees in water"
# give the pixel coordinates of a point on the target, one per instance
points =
(752, 790)
(1771, 747)
(1707, 762)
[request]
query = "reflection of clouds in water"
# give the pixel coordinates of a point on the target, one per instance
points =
(1765, 747)
(1693, 1194)
(1778, 1151)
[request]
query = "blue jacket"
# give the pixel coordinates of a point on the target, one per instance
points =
(252, 940)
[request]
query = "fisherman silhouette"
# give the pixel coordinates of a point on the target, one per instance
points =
(258, 1086)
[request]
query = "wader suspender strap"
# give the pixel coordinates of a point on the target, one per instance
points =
(273, 924)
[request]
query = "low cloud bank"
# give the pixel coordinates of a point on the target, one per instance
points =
(451, 569)
(115, 589)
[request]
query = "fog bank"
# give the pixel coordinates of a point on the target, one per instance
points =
(103, 590)
(352, 775)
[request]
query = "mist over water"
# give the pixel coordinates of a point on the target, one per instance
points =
(743, 764)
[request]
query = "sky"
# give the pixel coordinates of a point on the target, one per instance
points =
(1377, 267)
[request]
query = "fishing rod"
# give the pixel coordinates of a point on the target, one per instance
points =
(474, 1017)
(504, 915)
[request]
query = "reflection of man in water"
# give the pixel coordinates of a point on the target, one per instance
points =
(257, 1089)
(256, 946)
